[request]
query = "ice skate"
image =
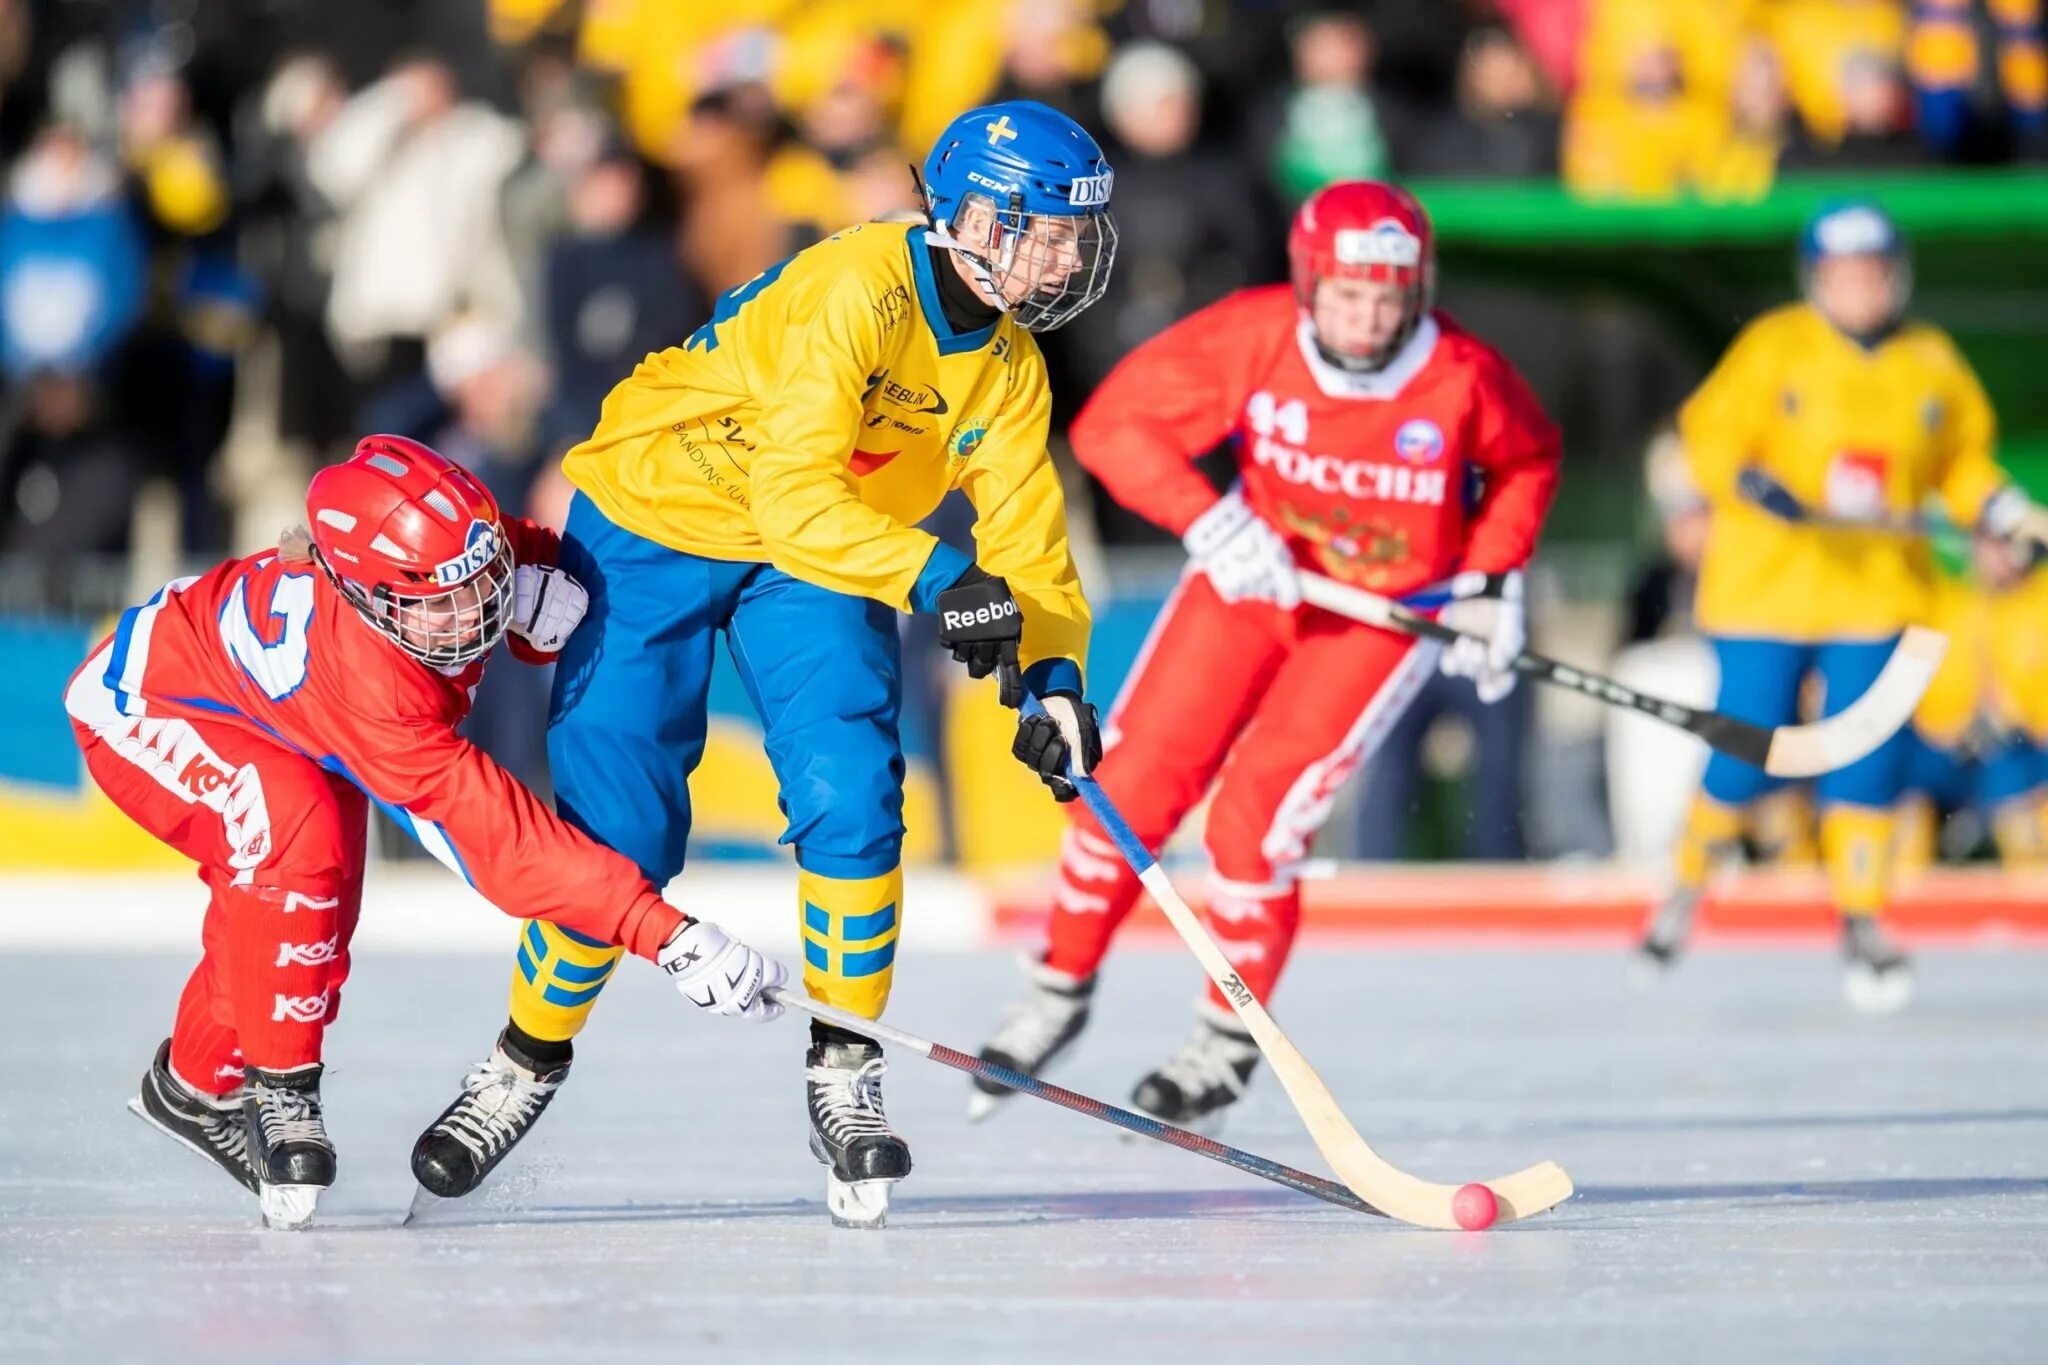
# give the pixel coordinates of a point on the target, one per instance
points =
(1199, 1083)
(502, 1098)
(1877, 976)
(210, 1126)
(1034, 1034)
(849, 1132)
(288, 1145)
(1665, 940)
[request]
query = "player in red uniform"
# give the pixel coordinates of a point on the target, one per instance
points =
(1377, 443)
(246, 717)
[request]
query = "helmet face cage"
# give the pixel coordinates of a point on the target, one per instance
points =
(446, 628)
(1389, 251)
(1045, 268)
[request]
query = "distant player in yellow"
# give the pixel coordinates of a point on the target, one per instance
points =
(1816, 440)
(763, 481)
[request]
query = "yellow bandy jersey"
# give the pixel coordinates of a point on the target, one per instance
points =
(825, 408)
(1850, 432)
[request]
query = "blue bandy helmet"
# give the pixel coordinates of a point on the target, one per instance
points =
(1021, 192)
(1856, 227)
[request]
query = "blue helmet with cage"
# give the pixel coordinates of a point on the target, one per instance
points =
(1021, 192)
(1856, 227)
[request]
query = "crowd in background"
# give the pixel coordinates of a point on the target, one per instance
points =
(237, 234)
(465, 220)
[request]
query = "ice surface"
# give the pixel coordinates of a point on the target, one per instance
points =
(1762, 1174)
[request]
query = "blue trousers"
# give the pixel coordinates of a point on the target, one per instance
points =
(627, 720)
(1760, 682)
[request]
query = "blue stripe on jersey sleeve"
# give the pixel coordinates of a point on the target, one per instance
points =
(729, 304)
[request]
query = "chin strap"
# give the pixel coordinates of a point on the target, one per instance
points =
(937, 235)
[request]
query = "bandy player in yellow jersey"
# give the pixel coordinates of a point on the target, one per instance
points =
(1817, 437)
(763, 481)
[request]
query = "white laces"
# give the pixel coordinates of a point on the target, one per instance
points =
(1032, 1027)
(499, 1102)
(1205, 1062)
(850, 1102)
(289, 1116)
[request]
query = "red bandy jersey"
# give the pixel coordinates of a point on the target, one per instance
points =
(273, 648)
(1440, 462)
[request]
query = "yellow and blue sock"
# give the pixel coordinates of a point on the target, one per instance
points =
(556, 980)
(849, 931)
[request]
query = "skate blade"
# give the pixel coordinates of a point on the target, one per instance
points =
(137, 1108)
(981, 1104)
(858, 1204)
(1646, 969)
(424, 1201)
(289, 1208)
(1872, 992)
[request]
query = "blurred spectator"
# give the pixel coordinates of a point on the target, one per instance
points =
(68, 475)
(1946, 59)
(614, 292)
(491, 390)
(967, 52)
(1328, 125)
(1875, 110)
(842, 166)
(1189, 224)
(181, 184)
(287, 238)
(1504, 123)
(566, 131)
(71, 260)
(730, 232)
(1554, 32)
(1763, 131)
(180, 367)
(1639, 129)
(416, 173)
(1835, 53)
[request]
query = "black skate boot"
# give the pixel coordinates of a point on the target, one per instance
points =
(288, 1144)
(849, 1132)
(210, 1126)
(1034, 1033)
(1201, 1081)
(1664, 940)
(1877, 974)
(502, 1098)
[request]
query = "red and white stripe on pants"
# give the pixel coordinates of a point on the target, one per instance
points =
(280, 844)
(1276, 710)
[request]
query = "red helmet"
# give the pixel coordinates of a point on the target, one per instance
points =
(1364, 230)
(413, 542)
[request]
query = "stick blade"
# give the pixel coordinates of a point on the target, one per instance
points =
(1867, 722)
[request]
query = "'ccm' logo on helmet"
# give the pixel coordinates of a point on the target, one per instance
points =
(478, 550)
(1090, 190)
(1384, 243)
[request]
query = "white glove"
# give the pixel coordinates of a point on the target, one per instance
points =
(1488, 606)
(1244, 558)
(547, 606)
(719, 973)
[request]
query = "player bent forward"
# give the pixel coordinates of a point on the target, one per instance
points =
(247, 717)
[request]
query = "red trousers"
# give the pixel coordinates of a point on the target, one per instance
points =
(1273, 709)
(280, 843)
